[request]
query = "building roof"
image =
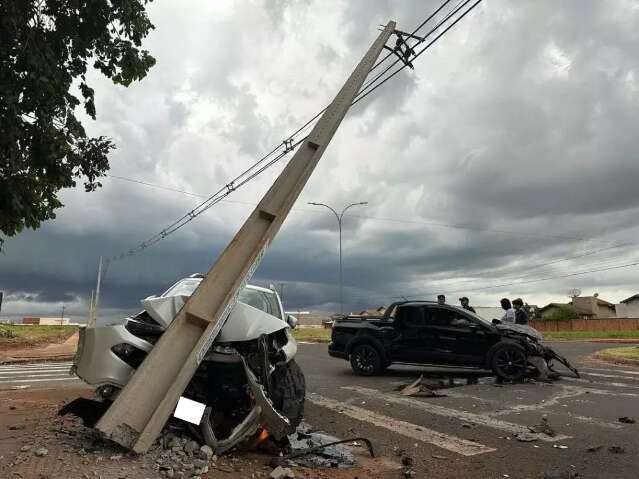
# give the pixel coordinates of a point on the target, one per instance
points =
(627, 300)
(567, 306)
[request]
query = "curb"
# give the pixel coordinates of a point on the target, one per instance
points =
(37, 359)
(615, 360)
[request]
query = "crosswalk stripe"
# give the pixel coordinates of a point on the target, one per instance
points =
(5, 378)
(445, 441)
(69, 378)
(469, 417)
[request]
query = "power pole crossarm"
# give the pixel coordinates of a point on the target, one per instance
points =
(141, 409)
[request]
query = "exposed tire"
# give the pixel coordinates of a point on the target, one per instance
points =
(509, 362)
(366, 360)
(288, 391)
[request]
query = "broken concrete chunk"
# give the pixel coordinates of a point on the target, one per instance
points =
(282, 473)
(526, 437)
(543, 428)
(25, 448)
(41, 452)
(206, 453)
(191, 446)
(626, 420)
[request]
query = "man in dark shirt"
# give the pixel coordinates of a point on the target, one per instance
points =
(520, 313)
(465, 304)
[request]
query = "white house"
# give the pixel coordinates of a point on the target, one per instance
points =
(629, 307)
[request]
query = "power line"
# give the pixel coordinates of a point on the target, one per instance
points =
(395, 220)
(256, 169)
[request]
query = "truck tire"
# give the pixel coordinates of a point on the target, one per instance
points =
(366, 360)
(288, 391)
(509, 361)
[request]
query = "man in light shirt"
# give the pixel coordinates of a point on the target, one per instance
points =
(509, 315)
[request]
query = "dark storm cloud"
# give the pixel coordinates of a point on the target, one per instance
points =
(511, 147)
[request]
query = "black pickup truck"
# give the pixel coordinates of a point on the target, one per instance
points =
(423, 332)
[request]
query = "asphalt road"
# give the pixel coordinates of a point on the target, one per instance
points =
(472, 432)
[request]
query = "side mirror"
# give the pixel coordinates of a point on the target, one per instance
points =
(292, 321)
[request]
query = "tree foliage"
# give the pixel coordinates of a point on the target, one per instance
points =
(46, 49)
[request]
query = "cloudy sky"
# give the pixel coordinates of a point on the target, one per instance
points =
(509, 155)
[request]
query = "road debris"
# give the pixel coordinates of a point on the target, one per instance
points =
(617, 450)
(419, 388)
(561, 475)
(594, 448)
(41, 452)
(543, 428)
(526, 437)
(626, 420)
(560, 446)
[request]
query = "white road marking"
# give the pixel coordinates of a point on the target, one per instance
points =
(603, 383)
(68, 378)
(469, 417)
(6, 378)
(32, 374)
(626, 371)
(618, 376)
(413, 431)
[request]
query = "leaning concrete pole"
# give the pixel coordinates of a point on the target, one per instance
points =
(141, 409)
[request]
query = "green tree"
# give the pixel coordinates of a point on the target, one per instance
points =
(46, 48)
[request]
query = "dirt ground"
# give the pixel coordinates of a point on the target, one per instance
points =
(29, 422)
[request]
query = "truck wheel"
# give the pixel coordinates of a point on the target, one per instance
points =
(366, 360)
(288, 391)
(509, 362)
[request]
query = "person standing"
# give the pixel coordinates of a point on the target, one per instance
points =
(509, 315)
(441, 299)
(465, 303)
(521, 317)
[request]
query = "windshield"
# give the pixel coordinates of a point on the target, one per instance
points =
(184, 287)
(475, 316)
(262, 300)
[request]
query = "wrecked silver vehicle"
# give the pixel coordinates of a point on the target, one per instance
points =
(248, 379)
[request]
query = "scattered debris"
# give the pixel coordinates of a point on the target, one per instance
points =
(419, 388)
(526, 437)
(16, 427)
(469, 425)
(617, 450)
(560, 446)
(543, 428)
(436, 456)
(626, 420)
(41, 452)
(594, 448)
(561, 475)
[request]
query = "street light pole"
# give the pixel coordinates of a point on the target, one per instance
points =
(339, 217)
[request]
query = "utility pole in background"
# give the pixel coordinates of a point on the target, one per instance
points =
(62, 316)
(282, 292)
(339, 217)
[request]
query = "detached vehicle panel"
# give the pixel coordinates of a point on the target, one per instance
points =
(248, 378)
(421, 332)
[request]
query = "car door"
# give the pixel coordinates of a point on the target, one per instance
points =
(413, 341)
(456, 337)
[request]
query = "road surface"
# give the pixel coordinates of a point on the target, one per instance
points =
(472, 432)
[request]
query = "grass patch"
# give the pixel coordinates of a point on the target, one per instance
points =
(550, 335)
(315, 335)
(629, 355)
(26, 336)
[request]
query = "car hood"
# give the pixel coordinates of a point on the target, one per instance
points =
(520, 329)
(245, 322)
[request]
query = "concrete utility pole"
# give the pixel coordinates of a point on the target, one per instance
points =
(141, 409)
(339, 217)
(93, 310)
(62, 316)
